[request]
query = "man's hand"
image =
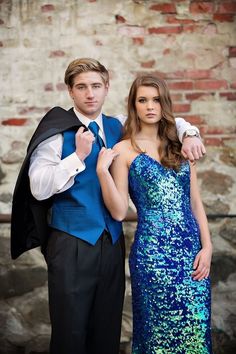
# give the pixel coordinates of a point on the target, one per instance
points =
(83, 142)
(193, 148)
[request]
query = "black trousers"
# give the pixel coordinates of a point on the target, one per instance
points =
(86, 291)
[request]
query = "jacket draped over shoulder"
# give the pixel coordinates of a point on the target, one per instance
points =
(29, 228)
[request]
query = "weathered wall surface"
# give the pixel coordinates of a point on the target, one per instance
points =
(189, 43)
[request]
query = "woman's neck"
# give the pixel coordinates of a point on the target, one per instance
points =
(149, 132)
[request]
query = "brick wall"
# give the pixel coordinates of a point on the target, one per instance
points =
(190, 43)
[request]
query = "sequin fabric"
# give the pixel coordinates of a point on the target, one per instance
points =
(171, 311)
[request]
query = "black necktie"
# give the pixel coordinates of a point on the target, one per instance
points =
(93, 126)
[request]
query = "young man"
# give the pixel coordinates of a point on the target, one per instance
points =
(63, 211)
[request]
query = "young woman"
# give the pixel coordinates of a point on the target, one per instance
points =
(171, 254)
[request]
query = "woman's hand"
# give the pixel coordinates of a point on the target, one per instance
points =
(105, 158)
(202, 264)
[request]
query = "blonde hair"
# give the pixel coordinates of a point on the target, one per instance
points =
(83, 65)
(170, 147)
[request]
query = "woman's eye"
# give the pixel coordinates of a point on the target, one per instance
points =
(157, 99)
(141, 100)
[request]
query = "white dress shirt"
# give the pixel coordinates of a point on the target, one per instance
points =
(49, 174)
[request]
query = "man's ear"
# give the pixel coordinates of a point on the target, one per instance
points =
(107, 88)
(70, 91)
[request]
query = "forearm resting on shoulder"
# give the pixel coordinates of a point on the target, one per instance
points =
(182, 125)
(192, 145)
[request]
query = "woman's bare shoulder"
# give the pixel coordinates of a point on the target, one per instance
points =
(123, 146)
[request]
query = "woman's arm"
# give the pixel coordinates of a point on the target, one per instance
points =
(114, 184)
(202, 261)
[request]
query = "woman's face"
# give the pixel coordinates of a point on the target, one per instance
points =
(148, 105)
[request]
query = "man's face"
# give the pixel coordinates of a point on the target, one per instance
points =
(88, 93)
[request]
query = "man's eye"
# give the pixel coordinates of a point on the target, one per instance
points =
(96, 86)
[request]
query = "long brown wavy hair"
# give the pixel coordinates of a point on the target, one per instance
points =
(170, 146)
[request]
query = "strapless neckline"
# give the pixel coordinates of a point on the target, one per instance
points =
(143, 154)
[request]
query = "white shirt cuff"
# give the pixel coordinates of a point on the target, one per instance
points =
(73, 164)
(182, 126)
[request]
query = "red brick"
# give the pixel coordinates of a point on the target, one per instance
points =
(228, 7)
(178, 74)
(212, 141)
(138, 40)
(197, 95)
(98, 43)
(29, 110)
(232, 52)
(48, 87)
(194, 119)
(148, 64)
(165, 30)
(173, 20)
(201, 7)
(57, 53)
(14, 121)
(176, 97)
(190, 28)
(215, 130)
(210, 84)
(197, 74)
(223, 17)
(165, 8)
(221, 131)
(160, 74)
(233, 85)
(47, 8)
(166, 51)
(61, 86)
(180, 85)
(230, 96)
(120, 19)
(181, 107)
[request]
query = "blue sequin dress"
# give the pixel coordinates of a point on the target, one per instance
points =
(171, 311)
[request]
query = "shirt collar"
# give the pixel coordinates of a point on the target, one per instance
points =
(85, 120)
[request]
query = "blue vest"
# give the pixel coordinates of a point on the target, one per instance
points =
(80, 211)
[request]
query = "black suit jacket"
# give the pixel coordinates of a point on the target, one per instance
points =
(29, 216)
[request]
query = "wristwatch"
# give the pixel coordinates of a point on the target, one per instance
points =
(190, 133)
